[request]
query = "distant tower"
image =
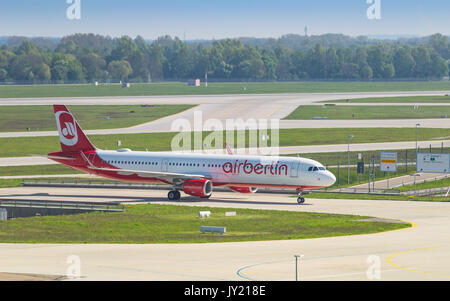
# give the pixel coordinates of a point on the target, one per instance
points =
(306, 31)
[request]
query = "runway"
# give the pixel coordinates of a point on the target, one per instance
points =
(417, 253)
(287, 150)
(223, 107)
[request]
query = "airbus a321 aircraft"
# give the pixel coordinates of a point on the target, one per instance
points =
(193, 173)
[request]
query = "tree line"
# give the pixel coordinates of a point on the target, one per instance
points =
(89, 57)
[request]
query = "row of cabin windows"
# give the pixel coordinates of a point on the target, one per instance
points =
(194, 164)
(311, 168)
(156, 163)
(132, 162)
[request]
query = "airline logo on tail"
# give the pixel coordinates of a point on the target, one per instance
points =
(67, 128)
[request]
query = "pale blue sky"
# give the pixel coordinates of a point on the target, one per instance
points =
(207, 19)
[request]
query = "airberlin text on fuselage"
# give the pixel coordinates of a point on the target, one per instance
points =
(258, 168)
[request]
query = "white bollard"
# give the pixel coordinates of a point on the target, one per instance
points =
(204, 214)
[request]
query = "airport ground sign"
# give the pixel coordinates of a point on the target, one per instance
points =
(388, 161)
(433, 163)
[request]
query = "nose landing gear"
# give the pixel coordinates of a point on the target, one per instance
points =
(300, 198)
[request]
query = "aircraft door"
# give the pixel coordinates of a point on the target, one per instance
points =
(164, 165)
(294, 169)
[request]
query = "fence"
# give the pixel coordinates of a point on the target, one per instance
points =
(27, 208)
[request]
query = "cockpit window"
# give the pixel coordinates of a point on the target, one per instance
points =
(315, 168)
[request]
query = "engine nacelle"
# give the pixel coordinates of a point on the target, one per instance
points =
(244, 189)
(200, 187)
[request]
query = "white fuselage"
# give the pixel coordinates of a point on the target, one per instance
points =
(229, 170)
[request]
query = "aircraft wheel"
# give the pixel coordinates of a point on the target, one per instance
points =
(173, 195)
(301, 200)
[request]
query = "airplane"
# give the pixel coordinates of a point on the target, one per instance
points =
(193, 173)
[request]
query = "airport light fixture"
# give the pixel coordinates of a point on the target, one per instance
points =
(296, 265)
(348, 159)
(417, 149)
(417, 125)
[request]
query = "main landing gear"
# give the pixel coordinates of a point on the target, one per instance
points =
(300, 198)
(174, 195)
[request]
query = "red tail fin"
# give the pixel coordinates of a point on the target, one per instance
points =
(71, 135)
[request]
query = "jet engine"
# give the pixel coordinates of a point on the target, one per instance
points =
(199, 187)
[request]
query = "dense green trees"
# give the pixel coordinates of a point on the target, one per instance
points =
(89, 57)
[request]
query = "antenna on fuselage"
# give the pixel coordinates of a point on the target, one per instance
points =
(229, 151)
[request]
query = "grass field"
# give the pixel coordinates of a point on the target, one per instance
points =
(145, 224)
(401, 99)
(41, 118)
(53, 169)
(342, 178)
(17, 147)
(368, 112)
(179, 88)
(427, 185)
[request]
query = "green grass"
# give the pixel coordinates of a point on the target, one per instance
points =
(342, 180)
(10, 183)
(368, 112)
(400, 99)
(41, 118)
(178, 88)
(31, 170)
(20, 146)
(318, 195)
(144, 224)
(427, 185)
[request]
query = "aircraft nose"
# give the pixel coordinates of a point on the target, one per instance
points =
(331, 178)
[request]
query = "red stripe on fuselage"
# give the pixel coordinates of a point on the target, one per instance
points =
(80, 164)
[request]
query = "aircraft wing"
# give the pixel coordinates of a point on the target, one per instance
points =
(168, 176)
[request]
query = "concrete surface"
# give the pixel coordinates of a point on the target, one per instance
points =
(418, 253)
(223, 107)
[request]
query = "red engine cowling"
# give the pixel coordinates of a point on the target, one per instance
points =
(200, 187)
(244, 189)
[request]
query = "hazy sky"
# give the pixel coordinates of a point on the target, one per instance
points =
(207, 19)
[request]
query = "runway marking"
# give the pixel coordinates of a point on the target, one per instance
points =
(416, 270)
(413, 226)
(239, 271)
(240, 274)
(273, 112)
(232, 109)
